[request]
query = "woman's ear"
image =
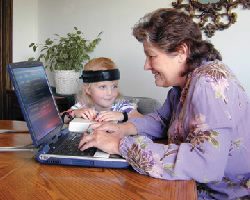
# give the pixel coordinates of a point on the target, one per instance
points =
(183, 52)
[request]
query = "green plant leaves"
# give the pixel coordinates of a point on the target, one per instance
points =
(48, 42)
(66, 53)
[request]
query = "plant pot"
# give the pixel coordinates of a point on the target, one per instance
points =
(67, 82)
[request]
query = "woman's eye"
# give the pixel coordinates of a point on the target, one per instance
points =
(115, 86)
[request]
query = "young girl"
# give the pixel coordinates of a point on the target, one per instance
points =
(99, 98)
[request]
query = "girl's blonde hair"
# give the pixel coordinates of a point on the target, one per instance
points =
(94, 64)
(99, 64)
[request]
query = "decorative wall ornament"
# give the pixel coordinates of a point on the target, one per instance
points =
(212, 15)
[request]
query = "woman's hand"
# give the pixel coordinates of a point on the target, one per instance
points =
(107, 142)
(106, 136)
(85, 113)
(105, 116)
(121, 130)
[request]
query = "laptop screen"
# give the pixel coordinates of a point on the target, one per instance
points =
(38, 103)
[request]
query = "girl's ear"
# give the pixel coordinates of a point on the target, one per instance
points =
(87, 89)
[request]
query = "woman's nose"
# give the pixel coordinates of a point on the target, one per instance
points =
(147, 65)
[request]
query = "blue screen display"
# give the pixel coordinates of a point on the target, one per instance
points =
(37, 100)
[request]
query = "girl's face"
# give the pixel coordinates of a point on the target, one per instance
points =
(167, 68)
(103, 94)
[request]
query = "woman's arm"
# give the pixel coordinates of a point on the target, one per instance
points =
(154, 125)
(203, 154)
(134, 114)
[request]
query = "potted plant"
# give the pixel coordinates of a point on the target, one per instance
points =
(65, 56)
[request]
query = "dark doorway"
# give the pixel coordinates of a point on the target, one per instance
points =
(6, 22)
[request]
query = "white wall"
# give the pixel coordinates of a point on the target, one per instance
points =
(25, 28)
(115, 18)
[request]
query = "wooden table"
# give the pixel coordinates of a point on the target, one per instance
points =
(21, 177)
(19, 126)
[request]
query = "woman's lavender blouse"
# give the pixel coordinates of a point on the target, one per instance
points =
(207, 125)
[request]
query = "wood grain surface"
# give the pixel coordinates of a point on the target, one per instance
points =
(21, 177)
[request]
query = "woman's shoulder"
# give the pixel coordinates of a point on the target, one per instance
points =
(215, 70)
(215, 75)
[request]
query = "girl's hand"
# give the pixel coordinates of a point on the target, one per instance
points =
(67, 116)
(105, 116)
(85, 113)
(107, 142)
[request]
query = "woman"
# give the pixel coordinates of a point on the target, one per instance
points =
(205, 116)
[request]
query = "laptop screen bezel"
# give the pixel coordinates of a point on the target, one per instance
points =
(56, 130)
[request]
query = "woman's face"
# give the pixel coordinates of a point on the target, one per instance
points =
(167, 68)
(103, 94)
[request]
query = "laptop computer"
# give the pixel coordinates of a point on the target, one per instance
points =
(45, 124)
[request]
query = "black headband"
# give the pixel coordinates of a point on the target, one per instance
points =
(100, 75)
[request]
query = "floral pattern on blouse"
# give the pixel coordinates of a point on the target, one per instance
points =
(208, 124)
(140, 159)
(199, 134)
(219, 87)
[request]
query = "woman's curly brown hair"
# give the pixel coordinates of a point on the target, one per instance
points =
(169, 28)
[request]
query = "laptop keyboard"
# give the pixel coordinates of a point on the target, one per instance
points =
(69, 146)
